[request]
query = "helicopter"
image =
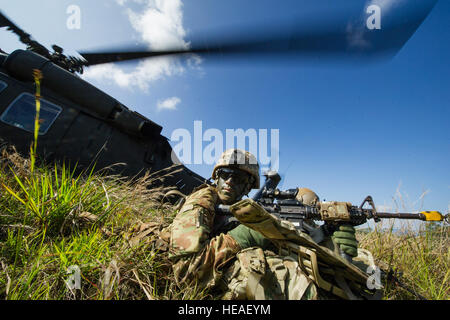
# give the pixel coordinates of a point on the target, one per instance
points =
(84, 125)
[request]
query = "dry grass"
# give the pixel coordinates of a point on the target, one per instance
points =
(420, 259)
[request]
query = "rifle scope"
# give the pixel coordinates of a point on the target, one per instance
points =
(289, 194)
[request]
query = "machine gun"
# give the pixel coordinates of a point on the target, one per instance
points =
(284, 204)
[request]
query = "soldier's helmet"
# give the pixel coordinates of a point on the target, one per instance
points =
(307, 197)
(239, 159)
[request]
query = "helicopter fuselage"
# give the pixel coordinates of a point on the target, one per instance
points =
(80, 124)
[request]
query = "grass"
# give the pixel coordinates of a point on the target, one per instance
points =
(53, 221)
(421, 258)
(417, 251)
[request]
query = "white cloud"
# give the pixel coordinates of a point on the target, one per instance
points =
(160, 26)
(169, 104)
(146, 71)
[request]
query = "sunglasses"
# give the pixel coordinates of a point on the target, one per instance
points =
(238, 176)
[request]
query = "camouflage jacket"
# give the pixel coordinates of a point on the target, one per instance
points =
(198, 256)
(219, 262)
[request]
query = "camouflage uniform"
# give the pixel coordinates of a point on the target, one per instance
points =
(219, 262)
(241, 264)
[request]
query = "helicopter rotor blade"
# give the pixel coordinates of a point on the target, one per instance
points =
(346, 39)
(108, 57)
(24, 37)
(5, 22)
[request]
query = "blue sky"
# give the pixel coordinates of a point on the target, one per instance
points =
(346, 130)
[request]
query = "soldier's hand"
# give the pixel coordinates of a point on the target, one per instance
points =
(248, 211)
(247, 237)
(345, 237)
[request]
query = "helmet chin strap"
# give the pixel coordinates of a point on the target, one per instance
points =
(248, 189)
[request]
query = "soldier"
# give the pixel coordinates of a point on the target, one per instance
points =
(240, 263)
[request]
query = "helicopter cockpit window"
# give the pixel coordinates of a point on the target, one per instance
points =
(21, 113)
(3, 85)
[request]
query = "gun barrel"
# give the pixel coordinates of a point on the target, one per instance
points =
(400, 215)
(424, 215)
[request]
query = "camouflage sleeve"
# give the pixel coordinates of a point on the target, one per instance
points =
(196, 255)
(193, 224)
(206, 267)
